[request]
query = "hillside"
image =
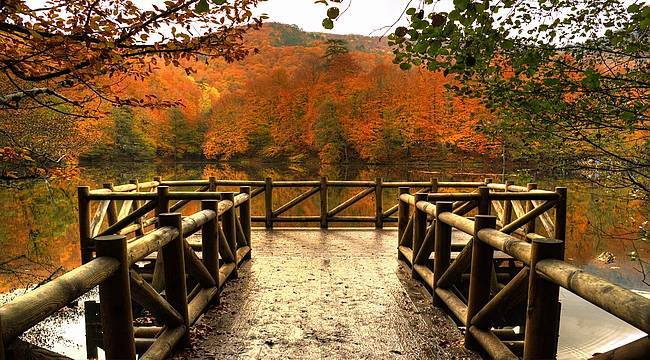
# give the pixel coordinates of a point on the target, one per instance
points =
(291, 35)
(332, 96)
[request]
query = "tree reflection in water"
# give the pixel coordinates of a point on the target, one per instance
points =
(38, 231)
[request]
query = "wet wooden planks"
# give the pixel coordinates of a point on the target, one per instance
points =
(325, 294)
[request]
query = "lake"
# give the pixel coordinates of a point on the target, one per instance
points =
(606, 229)
(39, 219)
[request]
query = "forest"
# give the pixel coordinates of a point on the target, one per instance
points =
(564, 95)
(338, 98)
(551, 94)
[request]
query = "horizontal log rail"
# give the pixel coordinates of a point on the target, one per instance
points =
(274, 213)
(27, 310)
(483, 304)
(618, 301)
(224, 223)
(127, 187)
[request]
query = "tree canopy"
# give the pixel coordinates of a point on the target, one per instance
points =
(565, 79)
(75, 52)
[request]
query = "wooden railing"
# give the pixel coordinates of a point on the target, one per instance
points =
(499, 272)
(108, 262)
(506, 275)
(329, 213)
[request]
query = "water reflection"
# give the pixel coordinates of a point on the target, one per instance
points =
(38, 231)
(586, 329)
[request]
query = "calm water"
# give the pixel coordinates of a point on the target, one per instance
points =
(38, 234)
(38, 231)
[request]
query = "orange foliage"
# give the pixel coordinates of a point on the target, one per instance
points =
(293, 100)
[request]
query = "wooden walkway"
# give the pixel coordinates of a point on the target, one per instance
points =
(310, 293)
(318, 293)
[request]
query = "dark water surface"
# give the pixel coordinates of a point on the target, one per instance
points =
(606, 231)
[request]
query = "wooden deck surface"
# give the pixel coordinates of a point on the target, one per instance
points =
(325, 294)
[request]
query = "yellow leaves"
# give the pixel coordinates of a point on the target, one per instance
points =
(10, 175)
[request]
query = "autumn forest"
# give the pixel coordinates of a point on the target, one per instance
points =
(339, 98)
(129, 127)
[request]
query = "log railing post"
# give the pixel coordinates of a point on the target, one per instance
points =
(530, 227)
(136, 204)
(268, 203)
(560, 214)
(229, 224)
(379, 203)
(480, 274)
(111, 212)
(442, 247)
(2, 343)
(323, 203)
(434, 189)
(403, 216)
(115, 301)
(212, 187)
(83, 192)
(245, 215)
(157, 179)
(402, 213)
(484, 204)
(434, 185)
(163, 200)
(210, 241)
(158, 281)
(507, 206)
(543, 308)
(92, 326)
(419, 229)
(174, 259)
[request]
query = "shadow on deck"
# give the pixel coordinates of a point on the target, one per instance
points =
(310, 293)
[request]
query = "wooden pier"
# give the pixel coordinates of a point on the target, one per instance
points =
(490, 255)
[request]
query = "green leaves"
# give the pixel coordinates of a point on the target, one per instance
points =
(551, 81)
(405, 66)
(333, 12)
(202, 6)
(328, 24)
(566, 75)
(461, 5)
(591, 79)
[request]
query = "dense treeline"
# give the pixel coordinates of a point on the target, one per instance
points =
(339, 98)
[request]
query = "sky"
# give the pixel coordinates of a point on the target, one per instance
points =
(364, 17)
